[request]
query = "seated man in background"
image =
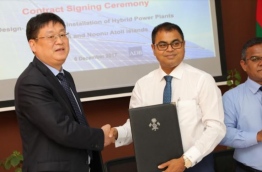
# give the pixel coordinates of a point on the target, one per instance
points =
(243, 111)
(199, 102)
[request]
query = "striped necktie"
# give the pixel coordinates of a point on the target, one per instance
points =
(79, 116)
(168, 90)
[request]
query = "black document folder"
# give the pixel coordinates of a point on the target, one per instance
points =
(156, 135)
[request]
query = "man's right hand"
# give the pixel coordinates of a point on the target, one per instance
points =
(113, 134)
(177, 165)
(106, 129)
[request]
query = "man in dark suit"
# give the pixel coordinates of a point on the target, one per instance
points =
(55, 134)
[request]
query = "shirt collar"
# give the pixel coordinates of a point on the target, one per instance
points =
(252, 85)
(53, 70)
(176, 73)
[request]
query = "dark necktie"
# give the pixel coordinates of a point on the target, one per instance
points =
(167, 90)
(80, 117)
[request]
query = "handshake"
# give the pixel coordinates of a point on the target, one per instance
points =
(110, 134)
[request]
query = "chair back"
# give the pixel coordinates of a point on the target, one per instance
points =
(125, 164)
(224, 161)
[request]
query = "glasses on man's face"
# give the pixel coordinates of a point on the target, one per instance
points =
(163, 46)
(254, 59)
(53, 38)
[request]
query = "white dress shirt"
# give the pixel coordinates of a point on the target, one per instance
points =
(199, 106)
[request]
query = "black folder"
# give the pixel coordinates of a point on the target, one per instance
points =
(156, 135)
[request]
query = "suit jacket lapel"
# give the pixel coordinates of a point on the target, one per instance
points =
(55, 83)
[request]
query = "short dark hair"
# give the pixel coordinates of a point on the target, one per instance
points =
(39, 21)
(248, 44)
(166, 26)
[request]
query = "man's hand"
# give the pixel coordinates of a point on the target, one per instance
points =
(259, 136)
(174, 165)
(113, 134)
(106, 129)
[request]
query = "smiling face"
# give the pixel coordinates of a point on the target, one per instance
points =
(52, 52)
(169, 58)
(253, 68)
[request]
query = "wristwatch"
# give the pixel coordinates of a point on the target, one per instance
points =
(188, 163)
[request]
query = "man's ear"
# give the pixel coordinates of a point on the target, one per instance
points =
(243, 65)
(32, 45)
(153, 48)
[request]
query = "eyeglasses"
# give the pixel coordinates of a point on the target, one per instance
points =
(162, 46)
(254, 59)
(53, 38)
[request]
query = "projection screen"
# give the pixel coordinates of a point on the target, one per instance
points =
(110, 41)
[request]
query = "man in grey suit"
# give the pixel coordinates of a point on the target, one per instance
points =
(53, 136)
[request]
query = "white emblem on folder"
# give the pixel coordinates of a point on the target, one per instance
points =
(154, 125)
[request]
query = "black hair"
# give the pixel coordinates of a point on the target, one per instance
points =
(166, 26)
(39, 21)
(248, 44)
